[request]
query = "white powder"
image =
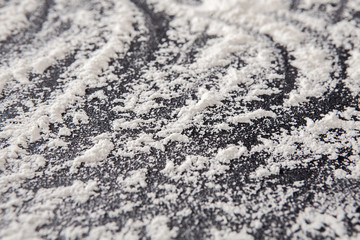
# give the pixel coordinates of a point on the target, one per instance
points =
(354, 73)
(78, 191)
(64, 131)
(134, 180)
(247, 117)
(13, 17)
(227, 234)
(80, 117)
(94, 155)
(160, 142)
(158, 229)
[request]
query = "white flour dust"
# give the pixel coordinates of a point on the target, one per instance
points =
(179, 119)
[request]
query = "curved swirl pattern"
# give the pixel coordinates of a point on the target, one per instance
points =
(185, 119)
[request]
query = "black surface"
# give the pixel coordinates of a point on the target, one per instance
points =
(204, 140)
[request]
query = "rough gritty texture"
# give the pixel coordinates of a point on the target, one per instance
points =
(179, 119)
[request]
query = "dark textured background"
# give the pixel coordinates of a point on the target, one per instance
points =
(203, 140)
